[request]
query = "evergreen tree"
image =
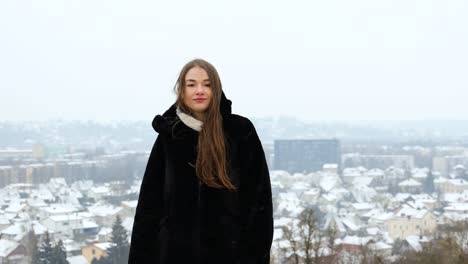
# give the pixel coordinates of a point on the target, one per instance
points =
(35, 258)
(59, 254)
(118, 252)
(397, 246)
(46, 250)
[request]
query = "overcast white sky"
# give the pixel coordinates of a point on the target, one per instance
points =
(315, 60)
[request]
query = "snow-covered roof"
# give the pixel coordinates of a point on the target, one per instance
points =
(312, 191)
(457, 207)
(373, 231)
(456, 197)
(54, 209)
(362, 180)
(458, 182)
(36, 202)
(351, 172)
(330, 166)
(87, 223)
(375, 173)
(353, 240)
(363, 206)
(289, 202)
(380, 246)
(373, 212)
(415, 213)
(300, 186)
(58, 181)
(401, 196)
(6, 247)
(105, 231)
(328, 182)
(82, 185)
(100, 190)
(440, 180)
(349, 222)
(424, 197)
(65, 217)
(415, 242)
(103, 245)
(127, 223)
(383, 216)
(104, 210)
(38, 228)
(419, 173)
(4, 219)
(131, 204)
(16, 230)
(363, 193)
(417, 204)
(329, 197)
(409, 182)
(15, 207)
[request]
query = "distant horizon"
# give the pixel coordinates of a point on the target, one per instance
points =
(250, 117)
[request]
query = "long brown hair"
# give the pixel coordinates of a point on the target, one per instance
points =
(211, 165)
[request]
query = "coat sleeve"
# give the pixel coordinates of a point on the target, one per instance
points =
(257, 233)
(149, 209)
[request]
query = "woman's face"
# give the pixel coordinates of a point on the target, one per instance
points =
(197, 91)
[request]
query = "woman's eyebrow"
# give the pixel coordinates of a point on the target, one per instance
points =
(192, 80)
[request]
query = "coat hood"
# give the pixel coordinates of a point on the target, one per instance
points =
(163, 123)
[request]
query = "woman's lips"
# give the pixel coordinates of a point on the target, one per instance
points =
(200, 100)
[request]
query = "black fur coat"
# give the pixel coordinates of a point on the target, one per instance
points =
(180, 220)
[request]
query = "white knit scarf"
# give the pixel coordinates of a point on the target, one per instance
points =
(189, 120)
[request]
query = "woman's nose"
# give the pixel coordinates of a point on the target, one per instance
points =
(199, 89)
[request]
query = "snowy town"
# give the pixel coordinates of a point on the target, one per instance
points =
(387, 205)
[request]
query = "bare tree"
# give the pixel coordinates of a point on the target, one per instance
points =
(369, 254)
(310, 235)
(289, 233)
(455, 237)
(305, 237)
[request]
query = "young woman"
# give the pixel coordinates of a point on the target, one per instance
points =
(206, 193)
